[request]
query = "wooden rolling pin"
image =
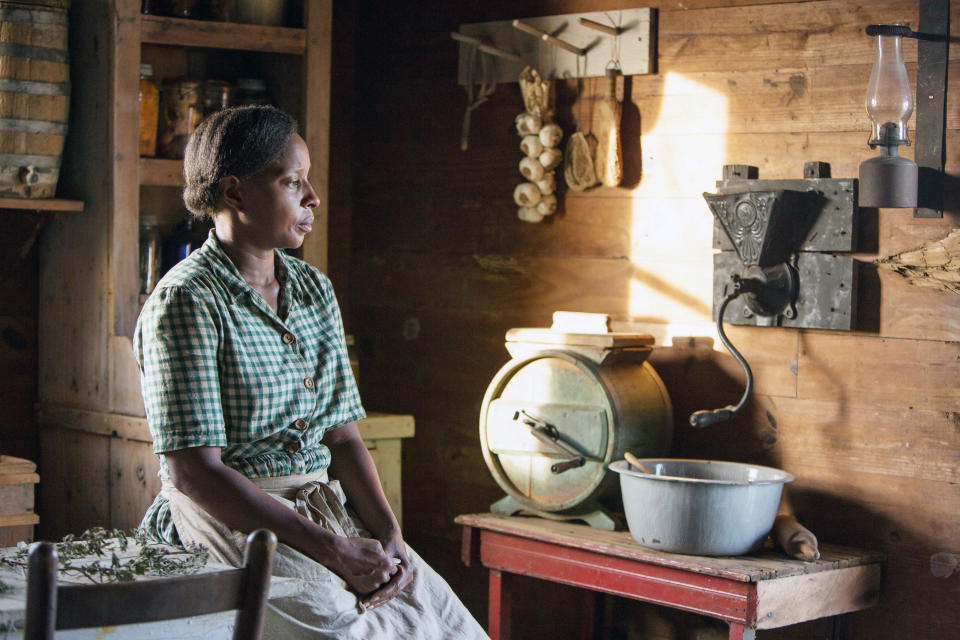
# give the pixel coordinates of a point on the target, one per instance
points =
(795, 539)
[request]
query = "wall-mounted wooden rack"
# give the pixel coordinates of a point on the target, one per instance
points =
(574, 45)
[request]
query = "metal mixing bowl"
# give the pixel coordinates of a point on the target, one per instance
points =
(700, 507)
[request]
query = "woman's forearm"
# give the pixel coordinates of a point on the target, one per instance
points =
(230, 497)
(233, 499)
(352, 465)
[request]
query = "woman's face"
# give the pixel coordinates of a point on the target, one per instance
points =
(276, 204)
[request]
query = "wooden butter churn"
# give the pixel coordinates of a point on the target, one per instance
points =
(561, 410)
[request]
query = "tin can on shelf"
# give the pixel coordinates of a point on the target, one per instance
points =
(250, 91)
(181, 110)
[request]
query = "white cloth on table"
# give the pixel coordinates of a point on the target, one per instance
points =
(426, 609)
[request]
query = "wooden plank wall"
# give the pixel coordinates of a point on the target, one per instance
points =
(441, 268)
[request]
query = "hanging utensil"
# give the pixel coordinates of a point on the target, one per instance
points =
(609, 158)
(578, 169)
(635, 461)
(476, 95)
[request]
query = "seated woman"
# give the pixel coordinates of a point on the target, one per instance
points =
(251, 402)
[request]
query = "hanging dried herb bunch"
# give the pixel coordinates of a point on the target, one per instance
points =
(934, 264)
(94, 555)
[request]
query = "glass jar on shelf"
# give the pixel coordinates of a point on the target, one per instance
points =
(155, 7)
(179, 244)
(149, 254)
(149, 97)
(265, 12)
(217, 95)
(181, 110)
(251, 91)
(184, 8)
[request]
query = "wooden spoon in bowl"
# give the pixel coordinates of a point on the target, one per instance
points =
(634, 461)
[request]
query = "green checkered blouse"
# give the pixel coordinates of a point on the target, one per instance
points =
(219, 368)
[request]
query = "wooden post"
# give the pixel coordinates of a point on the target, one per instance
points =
(470, 546)
(41, 593)
(592, 600)
(318, 18)
(123, 292)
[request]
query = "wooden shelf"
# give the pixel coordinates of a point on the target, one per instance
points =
(222, 35)
(161, 172)
(40, 204)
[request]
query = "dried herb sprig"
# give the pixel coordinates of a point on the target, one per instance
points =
(93, 555)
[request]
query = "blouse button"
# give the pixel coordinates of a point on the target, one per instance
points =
(308, 383)
(288, 338)
(293, 447)
(300, 424)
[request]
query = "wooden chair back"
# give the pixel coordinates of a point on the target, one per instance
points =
(73, 606)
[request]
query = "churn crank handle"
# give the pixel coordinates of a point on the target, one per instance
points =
(550, 436)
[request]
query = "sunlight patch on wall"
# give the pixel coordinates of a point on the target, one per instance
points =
(671, 287)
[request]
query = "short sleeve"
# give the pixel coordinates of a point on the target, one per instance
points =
(176, 344)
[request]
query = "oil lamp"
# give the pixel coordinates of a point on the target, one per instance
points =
(889, 180)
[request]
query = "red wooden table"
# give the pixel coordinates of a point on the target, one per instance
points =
(764, 590)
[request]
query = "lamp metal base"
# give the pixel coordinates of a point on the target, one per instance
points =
(888, 182)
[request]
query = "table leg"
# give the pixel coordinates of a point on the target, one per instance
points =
(498, 626)
(740, 632)
(592, 600)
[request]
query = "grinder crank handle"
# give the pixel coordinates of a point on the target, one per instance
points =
(706, 417)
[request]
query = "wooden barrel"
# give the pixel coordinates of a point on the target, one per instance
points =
(34, 96)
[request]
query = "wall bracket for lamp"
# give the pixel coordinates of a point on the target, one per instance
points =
(563, 46)
(932, 55)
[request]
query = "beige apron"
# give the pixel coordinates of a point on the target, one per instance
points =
(325, 607)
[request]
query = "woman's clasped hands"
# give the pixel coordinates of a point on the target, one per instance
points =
(376, 570)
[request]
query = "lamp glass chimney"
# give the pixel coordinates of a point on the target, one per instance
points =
(889, 97)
